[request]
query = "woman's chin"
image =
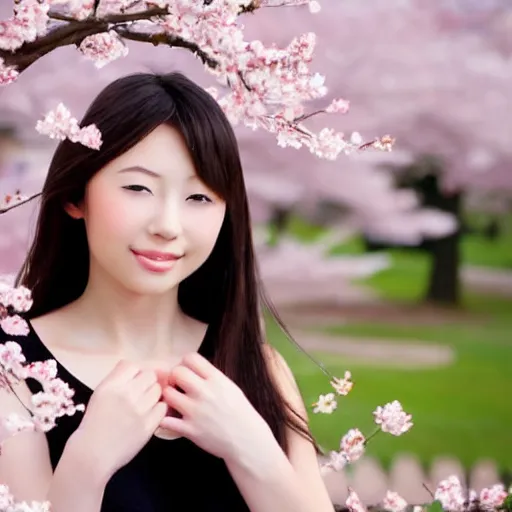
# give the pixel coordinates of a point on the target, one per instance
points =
(152, 286)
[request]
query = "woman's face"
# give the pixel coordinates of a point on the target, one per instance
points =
(150, 221)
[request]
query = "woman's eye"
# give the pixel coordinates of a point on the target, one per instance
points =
(137, 188)
(201, 198)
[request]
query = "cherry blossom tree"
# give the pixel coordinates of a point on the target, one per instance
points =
(263, 87)
(450, 58)
(54, 78)
(438, 75)
(262, 159)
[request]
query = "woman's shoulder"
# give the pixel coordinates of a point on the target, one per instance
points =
(279, 368)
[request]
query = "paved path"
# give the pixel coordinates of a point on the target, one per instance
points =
(378, 352)
(488, 279)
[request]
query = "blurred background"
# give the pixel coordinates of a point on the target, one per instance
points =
(396, 266)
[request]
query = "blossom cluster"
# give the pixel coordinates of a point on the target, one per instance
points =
(46, 406)
(267, 89)
(450, 494)
(268, 86)
(59, 124)
(8, 504)
(56, 397)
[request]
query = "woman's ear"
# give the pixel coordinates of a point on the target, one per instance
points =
(74, 211)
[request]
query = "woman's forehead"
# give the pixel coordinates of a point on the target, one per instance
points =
(161, 154)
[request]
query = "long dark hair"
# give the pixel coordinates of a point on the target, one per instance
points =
(223, 292)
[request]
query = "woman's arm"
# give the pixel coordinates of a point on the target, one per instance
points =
(25, 467)
(77, 483)
(277, 483)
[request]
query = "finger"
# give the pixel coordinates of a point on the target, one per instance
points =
(199, 365)
(177, 400)
(144, 380)
(156, 415)
(177, 426)
(186, 379)
(162, 376)
(153, 394)
(122, 371)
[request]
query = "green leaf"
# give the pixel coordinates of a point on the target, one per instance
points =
(507, 503)
(435, 506)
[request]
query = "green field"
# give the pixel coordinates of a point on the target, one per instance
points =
(462, 410)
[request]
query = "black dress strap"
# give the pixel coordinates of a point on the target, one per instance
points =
(35, 350)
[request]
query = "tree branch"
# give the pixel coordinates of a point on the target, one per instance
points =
(74, 32)
(12, 390)
(115, 18)
(19, 203)
(169, 40)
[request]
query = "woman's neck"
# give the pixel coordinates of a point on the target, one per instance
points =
(124, 322)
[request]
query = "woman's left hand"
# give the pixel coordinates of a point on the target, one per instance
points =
(216, 414)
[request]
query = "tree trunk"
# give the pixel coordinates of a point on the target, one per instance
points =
(278, 222)
(444, 279)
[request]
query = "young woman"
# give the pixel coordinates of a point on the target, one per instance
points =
(145, 292)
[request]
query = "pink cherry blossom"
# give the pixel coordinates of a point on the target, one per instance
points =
(451, 494)
(343, 386)
(43, 371)
(354, 503)
(14, 325)
(13, 424)
(59, 124)
(11, 364)
(8, 504)
(325, 404)
(55, 399)
(7, 73)
(352, 445)
(29, 22)
(52, 403)
(79, 9)
(338, 105)
(394, 502)
(103, 48)
(493, 497)
(337, 461)
(392, 418)
(90, 137)
(18, 298)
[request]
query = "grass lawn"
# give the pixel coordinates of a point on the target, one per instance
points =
(463, 410)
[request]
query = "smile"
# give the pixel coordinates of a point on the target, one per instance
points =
(154, 261)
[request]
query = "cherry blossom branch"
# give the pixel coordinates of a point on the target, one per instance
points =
(12, 390)
(10, 202)
(167, 39)
(74, 32)
(425, 486)
(145, 14)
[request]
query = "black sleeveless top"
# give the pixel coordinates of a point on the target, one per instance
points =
(165, 476)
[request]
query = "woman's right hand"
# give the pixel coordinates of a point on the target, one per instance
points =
(122, 415)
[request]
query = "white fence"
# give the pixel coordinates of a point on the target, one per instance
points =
(407, 477)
